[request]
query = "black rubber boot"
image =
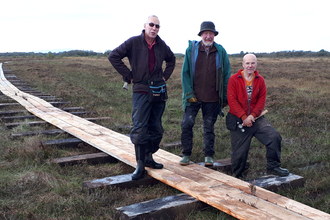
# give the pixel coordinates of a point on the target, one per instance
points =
(149, 162)
(140, 157)
(139, 172)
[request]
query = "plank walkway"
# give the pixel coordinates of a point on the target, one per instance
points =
(226, 193)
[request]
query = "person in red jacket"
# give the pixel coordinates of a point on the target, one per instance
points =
(246, 99)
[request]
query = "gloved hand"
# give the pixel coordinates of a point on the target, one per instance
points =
(127, 80)
(192, 99)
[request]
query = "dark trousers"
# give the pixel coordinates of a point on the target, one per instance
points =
(210, 112)
(241, 141)
(147, 122)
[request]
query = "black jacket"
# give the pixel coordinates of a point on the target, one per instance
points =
(136, 50)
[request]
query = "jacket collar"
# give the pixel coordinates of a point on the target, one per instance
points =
(142, 37)
(239, 73)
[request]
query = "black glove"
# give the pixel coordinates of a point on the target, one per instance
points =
(127, 80)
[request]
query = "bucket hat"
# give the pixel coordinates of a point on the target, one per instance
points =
(207, 26)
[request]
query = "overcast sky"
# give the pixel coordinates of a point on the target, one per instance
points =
(99, 25)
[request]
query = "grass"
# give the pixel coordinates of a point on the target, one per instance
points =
(31, 188)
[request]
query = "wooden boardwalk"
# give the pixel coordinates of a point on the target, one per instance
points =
(226, 193)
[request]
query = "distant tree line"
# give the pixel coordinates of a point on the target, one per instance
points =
(90, 53)
(71, 53)
(293, 53)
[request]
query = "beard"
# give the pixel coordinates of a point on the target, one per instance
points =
(207, 44)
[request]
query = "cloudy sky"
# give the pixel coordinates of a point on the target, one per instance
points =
(99, 25)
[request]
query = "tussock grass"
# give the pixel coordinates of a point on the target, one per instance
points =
(31, 188)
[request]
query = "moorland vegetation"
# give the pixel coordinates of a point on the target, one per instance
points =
(30, 188)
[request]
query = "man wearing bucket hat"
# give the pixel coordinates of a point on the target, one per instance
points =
(205, 73)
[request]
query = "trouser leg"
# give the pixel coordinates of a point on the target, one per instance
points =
(155, 128)
(140, 118)
(240, 142)
(210, 113)
(147, 127)
(139, 134)
(271, 138)
(187, 125)
(155, 134)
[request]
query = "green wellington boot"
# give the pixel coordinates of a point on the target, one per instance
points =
(184, 161)
(208, 161)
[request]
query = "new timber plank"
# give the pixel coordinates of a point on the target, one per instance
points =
(221, 191)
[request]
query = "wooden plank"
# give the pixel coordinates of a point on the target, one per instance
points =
(23, 117)
(69, 142)
(120, 181)
(171, 145)
(2, 105)
(38, 123)
(94, 158)
(275, 183)
(221, 191)
(168, 207)
(21, 83)
(34, 133)
(14, 80)
(12, 112)
(16, 112)
(223, 165)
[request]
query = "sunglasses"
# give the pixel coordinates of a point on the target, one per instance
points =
(152, 24)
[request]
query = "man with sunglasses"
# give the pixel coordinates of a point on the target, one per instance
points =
(146, 53)
(205, 73)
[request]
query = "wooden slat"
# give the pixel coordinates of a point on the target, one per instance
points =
(16, 112)
(38, 123)
(221, 191)
(34, 133)
(23, 117)
(94, 158)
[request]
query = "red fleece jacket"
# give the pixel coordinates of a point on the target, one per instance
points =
(238, 98)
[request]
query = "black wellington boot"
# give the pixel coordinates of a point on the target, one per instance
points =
(149, 162)
(140, 157)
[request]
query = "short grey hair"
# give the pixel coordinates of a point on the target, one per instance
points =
(151, 17)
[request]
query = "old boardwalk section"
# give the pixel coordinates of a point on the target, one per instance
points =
(224, 192)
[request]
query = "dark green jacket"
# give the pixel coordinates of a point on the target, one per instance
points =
(188, 73)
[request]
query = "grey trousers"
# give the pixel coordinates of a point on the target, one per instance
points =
(210, 111)
(240, 142)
